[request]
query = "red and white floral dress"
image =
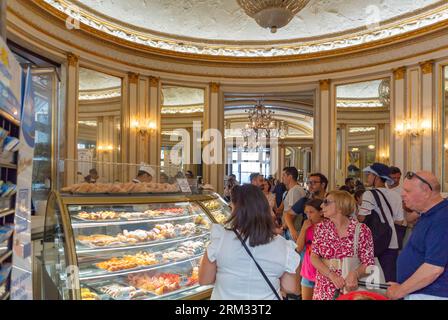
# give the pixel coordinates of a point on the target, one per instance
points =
(328, 245)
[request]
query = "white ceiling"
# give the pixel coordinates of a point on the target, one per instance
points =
(225, 20)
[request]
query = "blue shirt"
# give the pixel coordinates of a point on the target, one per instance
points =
(428, 244)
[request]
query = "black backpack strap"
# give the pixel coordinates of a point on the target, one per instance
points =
(378, 202)
(387, 203)
(258, 266)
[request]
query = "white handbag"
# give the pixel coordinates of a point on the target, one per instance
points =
(352, 263)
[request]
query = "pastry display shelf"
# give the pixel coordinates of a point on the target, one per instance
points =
(106, 255)
(104, 274)
(5, 256)
(85, 249)
(76, 224)
(7, 213)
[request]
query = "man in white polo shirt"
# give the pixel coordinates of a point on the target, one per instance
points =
(377, 176)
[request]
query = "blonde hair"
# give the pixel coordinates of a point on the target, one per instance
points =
(344, 201)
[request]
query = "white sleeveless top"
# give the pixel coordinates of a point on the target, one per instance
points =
(237, 276)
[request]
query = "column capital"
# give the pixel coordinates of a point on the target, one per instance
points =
(72, 59)
(133, 77)
(154, 81)
(214, 87)
(427, 66)
(399, 73)
(324, 85)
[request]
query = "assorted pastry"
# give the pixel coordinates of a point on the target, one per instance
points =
(130, 187)
(163, 212)
(86, 294)
(212, 205)
(159, 232)
(201, 220)
(117, 291)
(128, 262)
(98, 215)
(220, 217)
(109, 214)
(159, 283)
(141, 259)
(194, 278)
(98, 240)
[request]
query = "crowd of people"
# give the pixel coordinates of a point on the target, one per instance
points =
(286, 241)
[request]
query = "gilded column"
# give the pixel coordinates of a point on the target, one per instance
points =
(72, 88)
(214, 119)
(155, 116)
(398, 115)
(132, 115)
(413, 151)
(325, 126)
(427, 118)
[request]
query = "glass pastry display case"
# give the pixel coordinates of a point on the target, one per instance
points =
(127, 246)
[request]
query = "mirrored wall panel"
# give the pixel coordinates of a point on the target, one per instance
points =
(181, 128)
(363, 127)
(99, 126)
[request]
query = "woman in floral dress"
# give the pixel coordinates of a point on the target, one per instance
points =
(334, 240)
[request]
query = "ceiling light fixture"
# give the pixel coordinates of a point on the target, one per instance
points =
(272, 14)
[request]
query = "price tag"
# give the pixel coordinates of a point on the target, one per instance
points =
(184, 185)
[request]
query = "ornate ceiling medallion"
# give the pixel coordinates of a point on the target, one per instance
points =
(272, 14)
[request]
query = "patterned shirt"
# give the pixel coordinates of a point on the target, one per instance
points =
(328, 245)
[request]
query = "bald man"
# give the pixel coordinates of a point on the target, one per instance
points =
(422, 265)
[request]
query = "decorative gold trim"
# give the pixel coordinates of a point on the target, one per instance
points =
(72, 59)
(214, 87)
(427, 66)
(154, 81)
(399, 73)
(31, 37)
(324, 85)
(290, 52)
(133, 77)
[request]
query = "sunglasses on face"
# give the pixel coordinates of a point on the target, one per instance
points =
(327, 202)
(411, 175)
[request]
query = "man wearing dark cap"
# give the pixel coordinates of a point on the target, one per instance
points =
(377, 176)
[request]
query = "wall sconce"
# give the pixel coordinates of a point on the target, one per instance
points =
(412, 128)
(371, 147)
(107, 148)
(145, 127)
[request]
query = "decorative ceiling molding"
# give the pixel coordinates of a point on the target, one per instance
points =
(182, 109)
(361, 129)
(359, 103)
(100, 94)
(430, 20)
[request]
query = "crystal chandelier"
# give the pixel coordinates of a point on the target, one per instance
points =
(262, 126)
(272, 14)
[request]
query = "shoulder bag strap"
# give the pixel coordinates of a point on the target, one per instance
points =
(378, 202)
(258, 266)
(387, 203)
(356, 240)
